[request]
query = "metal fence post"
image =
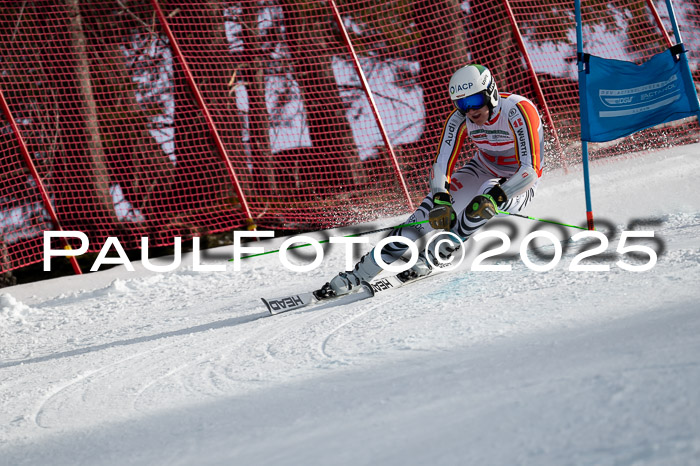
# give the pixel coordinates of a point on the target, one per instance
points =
(205, 110)
(35, 174)
(372, 103)
(533, 74)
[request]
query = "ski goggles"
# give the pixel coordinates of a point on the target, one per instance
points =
(471, 102)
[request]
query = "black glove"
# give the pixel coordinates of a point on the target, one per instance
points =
(498, 195)
(442, 216)
(485, 205)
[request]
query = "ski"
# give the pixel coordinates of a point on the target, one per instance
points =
(366, 290)
(392, 282)
(297, 301)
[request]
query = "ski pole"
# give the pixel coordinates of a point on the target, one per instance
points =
(396, 227)
(540, 220)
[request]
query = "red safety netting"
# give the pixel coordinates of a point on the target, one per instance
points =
(179, 118)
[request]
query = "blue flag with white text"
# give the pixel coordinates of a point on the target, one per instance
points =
(619, 98)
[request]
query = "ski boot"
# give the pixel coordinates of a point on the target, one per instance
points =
(419, 269)
(365, 270)
(425, 264)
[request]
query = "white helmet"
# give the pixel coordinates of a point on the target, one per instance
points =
(472, 86)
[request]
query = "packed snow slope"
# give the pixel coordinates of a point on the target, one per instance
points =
(465, 367)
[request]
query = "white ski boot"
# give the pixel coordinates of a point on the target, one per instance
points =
(365, 270)
(419, 269)
(425, 264)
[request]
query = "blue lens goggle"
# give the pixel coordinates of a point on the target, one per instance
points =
(471, 102)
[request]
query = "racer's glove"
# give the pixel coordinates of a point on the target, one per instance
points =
(485, 205)
(442, 216)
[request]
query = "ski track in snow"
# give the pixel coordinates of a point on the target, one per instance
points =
(515, 367)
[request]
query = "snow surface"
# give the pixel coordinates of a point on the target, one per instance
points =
(516, 367)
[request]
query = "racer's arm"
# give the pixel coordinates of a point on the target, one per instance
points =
(525, 123)
(451, 139)
(442, 215)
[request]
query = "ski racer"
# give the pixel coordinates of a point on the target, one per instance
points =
(503, 174)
